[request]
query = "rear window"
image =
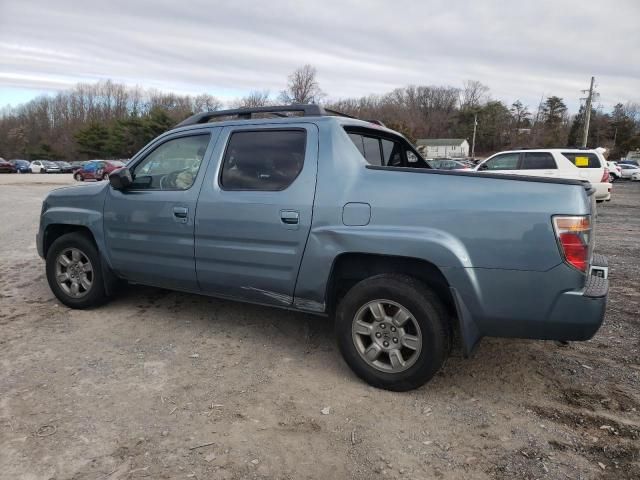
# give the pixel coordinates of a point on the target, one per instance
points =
(381, 149)
(369, 147)
(583, 159)
(391, 153)
(372, 150)
(538, 161)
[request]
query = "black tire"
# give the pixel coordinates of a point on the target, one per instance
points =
(78, 177)
(426, 308)
(96, 294)
(105, 176)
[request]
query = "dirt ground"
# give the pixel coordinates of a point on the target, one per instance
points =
(168, 385)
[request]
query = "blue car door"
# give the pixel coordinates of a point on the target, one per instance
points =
(254, 211)
(149, 226)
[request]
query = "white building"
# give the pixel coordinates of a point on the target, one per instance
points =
(443, 147)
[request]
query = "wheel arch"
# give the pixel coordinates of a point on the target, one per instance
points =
(55, 230)
(350, 268)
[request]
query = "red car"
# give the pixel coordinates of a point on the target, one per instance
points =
(97, 170)
(7, 167)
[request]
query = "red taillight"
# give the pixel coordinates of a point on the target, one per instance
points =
(574, 234)
(575, 252)
(605, 175)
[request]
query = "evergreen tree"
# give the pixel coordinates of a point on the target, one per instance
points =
(554, 122)
(93, 139)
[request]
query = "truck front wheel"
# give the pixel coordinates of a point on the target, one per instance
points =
(392, 331)
(74, 271)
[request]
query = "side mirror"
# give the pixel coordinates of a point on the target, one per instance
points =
(120, 179)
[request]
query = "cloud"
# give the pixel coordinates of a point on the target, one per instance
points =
(519, 49)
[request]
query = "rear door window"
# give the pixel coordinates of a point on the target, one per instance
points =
(264, 160)
(583, 159)
(504, 161)
(538, 161)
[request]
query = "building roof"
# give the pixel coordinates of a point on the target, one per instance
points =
(440, 142)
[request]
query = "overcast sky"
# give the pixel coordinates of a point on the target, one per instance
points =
(520, 49)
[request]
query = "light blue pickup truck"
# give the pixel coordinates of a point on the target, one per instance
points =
(307, 209)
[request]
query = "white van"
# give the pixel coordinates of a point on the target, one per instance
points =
(554, 162)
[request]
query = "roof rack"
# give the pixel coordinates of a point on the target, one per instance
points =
(307, 110)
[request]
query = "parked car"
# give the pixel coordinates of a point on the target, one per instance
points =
(448, 164)
(97, 170)
(22, 166)
(336, 216)
(77, 165)
(634, 162)
(567, 163)
(614, 171)
(44, 166)
(65, 167)
(627, 170)
(6, 167)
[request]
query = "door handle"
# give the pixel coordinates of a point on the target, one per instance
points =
(181, 214)
(289, 217)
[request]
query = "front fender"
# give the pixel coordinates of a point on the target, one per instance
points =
(72, 216)
(79, 206)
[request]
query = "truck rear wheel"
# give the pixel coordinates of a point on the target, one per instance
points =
(74, 271)
(392, 331)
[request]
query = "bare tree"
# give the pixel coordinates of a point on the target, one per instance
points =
(206, 103)
(302, 87)
(256, 98)
(473, 94)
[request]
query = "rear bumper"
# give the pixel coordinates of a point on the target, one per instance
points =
(559, 304)
(577, 315)
(603, 190)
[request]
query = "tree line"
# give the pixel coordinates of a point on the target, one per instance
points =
(110, 120)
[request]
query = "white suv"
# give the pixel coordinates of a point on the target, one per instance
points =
(554, 162)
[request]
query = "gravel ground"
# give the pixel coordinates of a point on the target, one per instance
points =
(168, 385)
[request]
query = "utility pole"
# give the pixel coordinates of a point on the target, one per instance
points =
(473, 142)
(587, 114)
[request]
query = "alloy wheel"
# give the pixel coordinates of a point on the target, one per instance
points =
(74, 272)
(387, 336)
